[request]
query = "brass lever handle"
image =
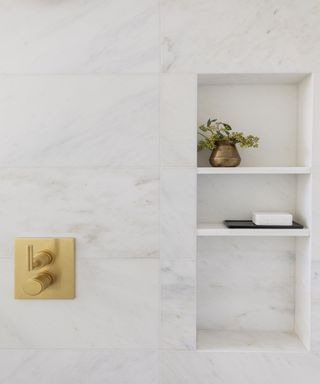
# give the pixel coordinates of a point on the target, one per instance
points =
(40, 260)
(38, 283)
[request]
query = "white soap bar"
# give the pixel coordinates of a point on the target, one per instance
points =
(272, 218)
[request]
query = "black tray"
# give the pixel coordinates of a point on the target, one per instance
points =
(250, 224)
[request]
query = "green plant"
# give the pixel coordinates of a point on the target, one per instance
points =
(214, 131)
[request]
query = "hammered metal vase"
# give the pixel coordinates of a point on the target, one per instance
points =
(225, 154)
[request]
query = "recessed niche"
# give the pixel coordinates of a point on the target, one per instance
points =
(277, 108)
(253, 291)
(249, 295)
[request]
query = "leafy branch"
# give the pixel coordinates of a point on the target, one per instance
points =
(214, 131)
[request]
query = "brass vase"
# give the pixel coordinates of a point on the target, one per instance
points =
(225, 154)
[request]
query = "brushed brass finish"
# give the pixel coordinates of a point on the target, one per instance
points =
(38, 283)
(225, 154)
(40, 260)
(44, 268)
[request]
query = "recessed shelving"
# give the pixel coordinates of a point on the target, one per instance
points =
(254, 171)
(253, 285)
(219, 229)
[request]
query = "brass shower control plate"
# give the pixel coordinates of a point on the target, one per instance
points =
(31, 263)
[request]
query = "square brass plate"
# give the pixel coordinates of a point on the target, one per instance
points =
(62, 267)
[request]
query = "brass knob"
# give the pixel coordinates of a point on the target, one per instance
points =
(41, 259)
(38, 284)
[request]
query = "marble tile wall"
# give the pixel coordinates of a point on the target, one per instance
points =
(79, 107)
(97, 115)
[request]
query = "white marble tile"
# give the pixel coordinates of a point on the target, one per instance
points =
(79, 367)
(79, 121)
(245, 284)
(178, 213)
(248, 196)
(315, 240)
(79, 36)
(315, 306)
(303, 290)
(228, 36)
(111, 213)
(239, 368)
(178, 304)
(116, 306)
(178, 120)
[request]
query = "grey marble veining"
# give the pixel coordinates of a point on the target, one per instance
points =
(239, 368)
(81, 108)
(116, 307)
(227, 36)
(111, 213)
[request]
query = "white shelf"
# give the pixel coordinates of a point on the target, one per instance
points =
(253, 170)
(253, 341)
(219, 229)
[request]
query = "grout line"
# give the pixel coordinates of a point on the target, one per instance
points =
(91, 167)
(165, 260)
(79, 349)
(76, 74)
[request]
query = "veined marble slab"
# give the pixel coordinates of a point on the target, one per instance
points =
(71, 121)
(95, 36)
(239, 368)
(178, 304)
(79, 367)
(110, 212)
(231, 37)
(116, 307)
